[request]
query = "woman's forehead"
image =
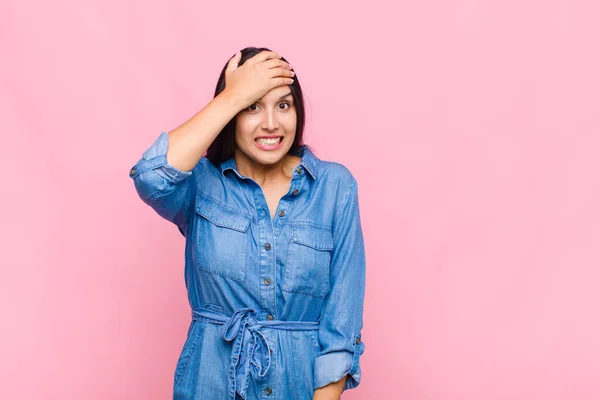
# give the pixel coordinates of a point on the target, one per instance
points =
(276, 94)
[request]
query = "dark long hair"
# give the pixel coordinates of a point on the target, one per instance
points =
(221, 148)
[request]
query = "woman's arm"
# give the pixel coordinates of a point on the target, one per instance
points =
(341, 320)
(189, 141)
(163, 176)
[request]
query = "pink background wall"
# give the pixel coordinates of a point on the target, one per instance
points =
(472, 127)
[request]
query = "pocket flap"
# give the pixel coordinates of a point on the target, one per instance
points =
(317, 238)
(221, 215)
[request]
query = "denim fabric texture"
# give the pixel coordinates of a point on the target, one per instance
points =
(276, 303)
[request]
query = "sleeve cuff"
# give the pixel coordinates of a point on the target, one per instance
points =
(332, 367)
(156, 158)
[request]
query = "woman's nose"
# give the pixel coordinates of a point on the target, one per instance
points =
(270, 121)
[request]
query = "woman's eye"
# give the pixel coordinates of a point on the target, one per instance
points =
(251, 107)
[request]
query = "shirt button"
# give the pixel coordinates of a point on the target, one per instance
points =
(132, 171)
(357, 340)
(269, 317)
(268, 246)
(268, 390)
(281, 213)
(298, 170)
(270, 351)
(267, 281)
(295, 192)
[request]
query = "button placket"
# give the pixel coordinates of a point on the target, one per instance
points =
(266, 237)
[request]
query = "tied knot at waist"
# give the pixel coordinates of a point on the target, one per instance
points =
(251, 353)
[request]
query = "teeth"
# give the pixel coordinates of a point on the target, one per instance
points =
(267, 141)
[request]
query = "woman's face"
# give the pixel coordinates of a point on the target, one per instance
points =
(265, 130)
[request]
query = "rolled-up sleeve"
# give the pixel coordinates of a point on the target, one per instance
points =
(342, 316)
(163, 187)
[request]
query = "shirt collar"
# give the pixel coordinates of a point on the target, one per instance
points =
(309, 161)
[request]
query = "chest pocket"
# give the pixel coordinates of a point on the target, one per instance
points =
(222, 239)
(308, 259)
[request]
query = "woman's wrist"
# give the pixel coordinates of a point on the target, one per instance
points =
(333, 391)
(232, 100)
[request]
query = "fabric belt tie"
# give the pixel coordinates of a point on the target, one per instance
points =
(251, 353)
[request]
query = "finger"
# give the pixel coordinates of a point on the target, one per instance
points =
(276, 63)
(263, 56)
(280, 72)
(233, 62)
(281, 82)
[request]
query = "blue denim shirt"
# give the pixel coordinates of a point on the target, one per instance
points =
(276, 304)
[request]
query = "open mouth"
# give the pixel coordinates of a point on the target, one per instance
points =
(271, 141)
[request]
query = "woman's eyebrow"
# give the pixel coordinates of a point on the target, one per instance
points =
(285, 95)
(281, 98)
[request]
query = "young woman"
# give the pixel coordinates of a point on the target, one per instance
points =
(274, 257)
